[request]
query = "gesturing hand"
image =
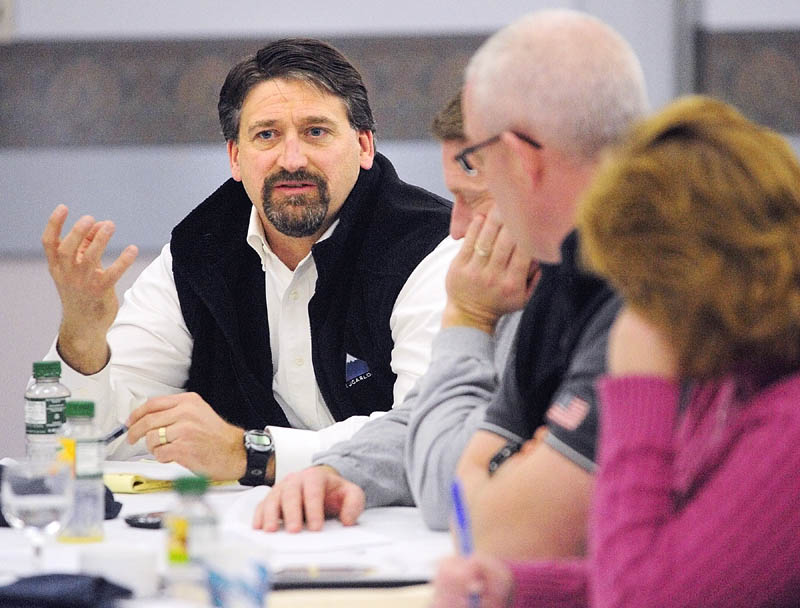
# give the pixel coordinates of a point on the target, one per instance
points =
(489, 277)
(86, 289)
(311, 494)
(193, 435)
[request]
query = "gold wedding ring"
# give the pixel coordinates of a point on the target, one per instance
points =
(162, 435)
(481, 252)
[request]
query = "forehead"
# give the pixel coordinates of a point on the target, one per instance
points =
(282, 99)
(455, 178)
(475, 126)
(472, 128)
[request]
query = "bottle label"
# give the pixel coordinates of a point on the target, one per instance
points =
(84, 456)
(177, 540)
(88, 459)
(190, 539)
(85, 522)
(44, 416)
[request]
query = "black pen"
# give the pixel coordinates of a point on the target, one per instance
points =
(117, 432)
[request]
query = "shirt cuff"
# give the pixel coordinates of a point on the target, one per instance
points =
(293, 449)
(75, 380)
(502, 432)
(458, 340)
(94, 387)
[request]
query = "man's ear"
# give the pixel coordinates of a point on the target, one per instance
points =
(366, 141)
(524, 159)
(233, 156)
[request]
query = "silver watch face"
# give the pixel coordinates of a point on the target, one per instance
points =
(260, 441)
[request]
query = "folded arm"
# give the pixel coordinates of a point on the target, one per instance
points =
(536, 503)
(448, 407)
(534, 506)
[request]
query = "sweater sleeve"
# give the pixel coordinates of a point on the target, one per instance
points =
(734, 543)
(373, 458)
(558, 584)
(448, 405)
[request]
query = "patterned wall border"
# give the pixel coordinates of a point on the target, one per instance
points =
(165, 92)
(758, 72)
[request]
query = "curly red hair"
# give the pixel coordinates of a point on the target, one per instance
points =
(695, 220)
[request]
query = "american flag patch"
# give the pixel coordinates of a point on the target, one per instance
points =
(568, 412)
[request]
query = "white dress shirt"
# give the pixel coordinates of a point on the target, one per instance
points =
(151, 348)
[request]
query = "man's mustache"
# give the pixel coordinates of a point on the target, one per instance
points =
(296, 176)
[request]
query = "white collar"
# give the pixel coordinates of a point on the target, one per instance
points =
(258, 240)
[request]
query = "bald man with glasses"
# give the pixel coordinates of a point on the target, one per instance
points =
(540, 136)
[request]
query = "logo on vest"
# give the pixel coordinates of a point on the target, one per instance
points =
(355, 370)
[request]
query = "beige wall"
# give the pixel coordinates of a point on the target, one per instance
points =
(30, 317)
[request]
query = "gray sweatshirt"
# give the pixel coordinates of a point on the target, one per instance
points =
(410, 454)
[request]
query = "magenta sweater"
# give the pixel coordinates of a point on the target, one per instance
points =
(699, 509)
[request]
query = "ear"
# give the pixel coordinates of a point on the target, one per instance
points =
(233, 156)
(524, 160)
(366, 142)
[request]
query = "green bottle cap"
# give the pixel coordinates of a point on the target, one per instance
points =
(83, 409)
(46, 369)
(190, 485)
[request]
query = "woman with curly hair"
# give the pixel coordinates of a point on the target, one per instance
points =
(695, 220)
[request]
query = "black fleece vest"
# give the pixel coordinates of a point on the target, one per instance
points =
(386, 227)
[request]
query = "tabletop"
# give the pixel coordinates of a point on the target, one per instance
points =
(391, 544)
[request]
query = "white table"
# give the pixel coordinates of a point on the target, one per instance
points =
(393, 541)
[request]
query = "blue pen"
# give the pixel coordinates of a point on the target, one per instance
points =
(463, 530)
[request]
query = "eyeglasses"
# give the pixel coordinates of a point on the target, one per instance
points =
(468, 167)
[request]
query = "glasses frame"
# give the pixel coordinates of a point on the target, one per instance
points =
(466, 166)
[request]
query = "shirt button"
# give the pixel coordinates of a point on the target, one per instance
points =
(299, 361)
(293, 294)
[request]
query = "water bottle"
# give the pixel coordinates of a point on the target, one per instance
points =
(45, 401)
(191, 537)
(82, 446)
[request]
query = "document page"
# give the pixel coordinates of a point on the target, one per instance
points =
(388, 544)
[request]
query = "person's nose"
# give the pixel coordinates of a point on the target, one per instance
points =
(460, 218)
(292, 155)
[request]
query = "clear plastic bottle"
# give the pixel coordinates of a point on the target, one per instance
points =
(191, 537)
(83, 447)
(45, 401)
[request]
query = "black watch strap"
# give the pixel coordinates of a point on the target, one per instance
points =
(257, 465)
(506, 452)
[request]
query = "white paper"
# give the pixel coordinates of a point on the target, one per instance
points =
(392, 541)
(238, 519)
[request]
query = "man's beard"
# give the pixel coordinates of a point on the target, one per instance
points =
(299, 214)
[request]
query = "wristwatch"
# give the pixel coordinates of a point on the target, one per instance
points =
(260, 448)
(506, 452)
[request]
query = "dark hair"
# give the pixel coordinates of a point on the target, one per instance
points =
(306, 59)
(448, 124)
